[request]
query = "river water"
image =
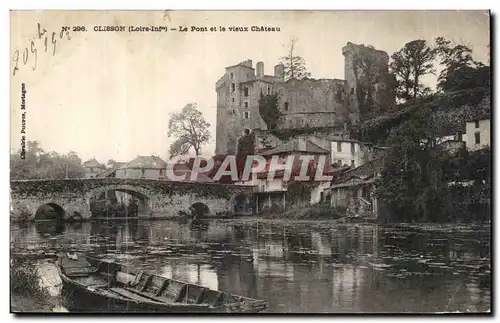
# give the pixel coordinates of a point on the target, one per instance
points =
(299, 267)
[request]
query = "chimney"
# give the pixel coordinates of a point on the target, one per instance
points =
(260, 70)
(301, 144)
(279, 71)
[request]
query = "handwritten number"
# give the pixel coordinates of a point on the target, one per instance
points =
(54, 41)
(25, 56)
(16, 59)
(35, 52)
(40, 34)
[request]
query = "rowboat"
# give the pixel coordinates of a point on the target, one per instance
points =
(102, 285)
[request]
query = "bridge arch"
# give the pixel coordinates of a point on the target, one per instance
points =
(200, 209)
(141, 194)
(50, 211)
(242, 204)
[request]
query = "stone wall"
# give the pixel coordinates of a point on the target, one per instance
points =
(163, 198)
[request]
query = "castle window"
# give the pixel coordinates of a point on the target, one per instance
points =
(352, 148)
(268, 90)
(352, 162)
(286, 106)
(232, 75)
(246, 104)
(339, 147)
(233, 87)
(477, 124)
(246, 91)
(352, 90)
(246, 114)
(233, 100)
(478, 138)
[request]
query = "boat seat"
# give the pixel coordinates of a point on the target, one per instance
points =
(125, 278)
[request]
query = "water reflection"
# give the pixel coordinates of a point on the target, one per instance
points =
(298, 267)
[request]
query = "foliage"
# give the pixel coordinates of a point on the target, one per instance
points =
(190, 130)
(420, 180)
(409, 65)
(295, 66)
(268, 109)
(41, 165)
(461, 71)
(25, 279)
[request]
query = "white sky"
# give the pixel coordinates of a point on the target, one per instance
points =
(109, 95)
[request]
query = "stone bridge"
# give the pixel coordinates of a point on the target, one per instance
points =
(71, 197)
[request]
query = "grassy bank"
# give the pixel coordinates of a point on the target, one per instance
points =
(27, 295)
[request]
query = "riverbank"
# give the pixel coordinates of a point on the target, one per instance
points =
(27, 294)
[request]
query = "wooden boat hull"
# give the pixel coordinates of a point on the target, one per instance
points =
(96, 291)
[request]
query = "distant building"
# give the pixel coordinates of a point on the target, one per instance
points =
(185, 170)
(150, 167)
(478, 133)
(271, 192)
(111, 172)
(93, 168)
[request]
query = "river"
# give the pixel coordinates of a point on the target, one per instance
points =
(299, 267)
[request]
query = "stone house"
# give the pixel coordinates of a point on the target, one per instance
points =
(93, 168)
(272, 191)
(478, 133)
(150, 167)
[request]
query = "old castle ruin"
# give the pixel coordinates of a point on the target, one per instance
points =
(331, 104)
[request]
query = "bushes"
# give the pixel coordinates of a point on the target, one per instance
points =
(25, 279)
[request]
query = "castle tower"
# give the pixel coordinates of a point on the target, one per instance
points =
(370, 88)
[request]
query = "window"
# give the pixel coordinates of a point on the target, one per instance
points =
(352, 90)
(352, 162)
(352, 148)
(234, 111)
(339, 146)
(477, 124)
(233, 100)
(286, 106)
(233, 87)
(246, 91)
(161, 172)
(339, 162)
(246, 114)
(143, 172)
(268, 90)
(478, 138)
(246, 104)
(231, 75)
(248, 75)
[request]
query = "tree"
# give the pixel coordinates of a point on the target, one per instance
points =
(190, 130)
(461, 72)
(409, 65)
(38, 164)
(268, 109)
(295, 66)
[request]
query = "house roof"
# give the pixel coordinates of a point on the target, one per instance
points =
(108, 173)
(294, 145)
(148, 162)
(93, 163)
